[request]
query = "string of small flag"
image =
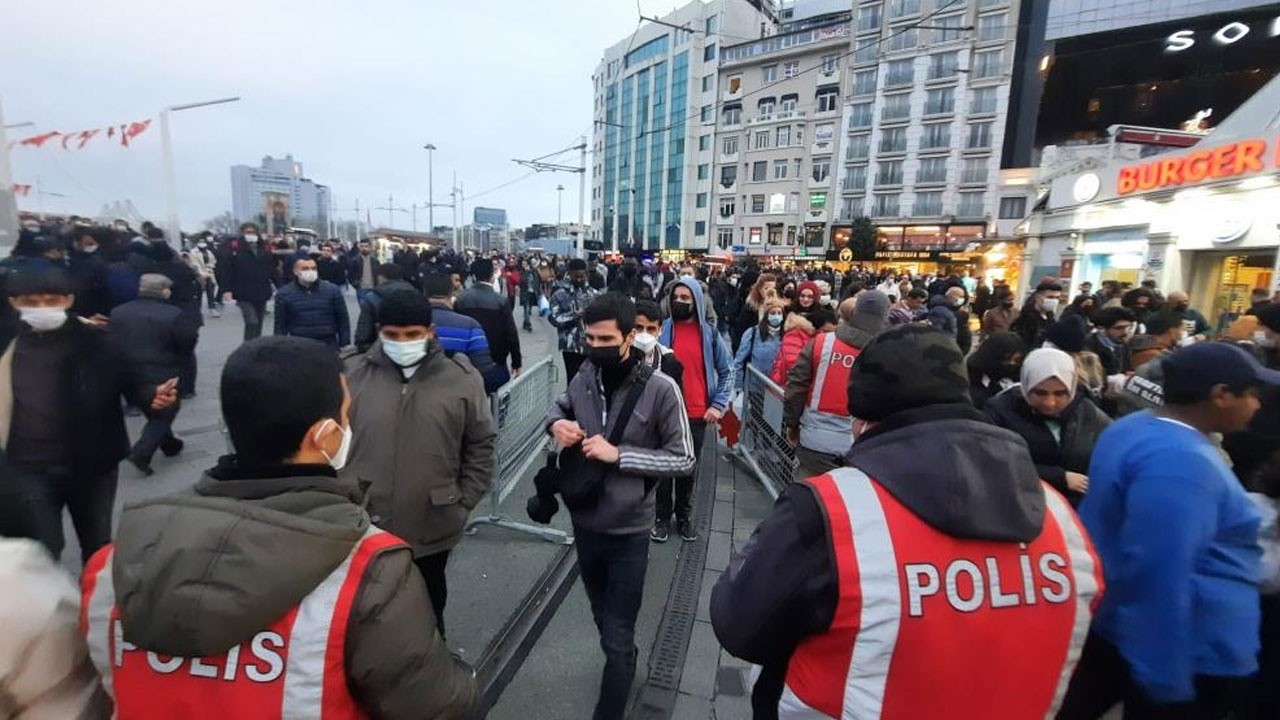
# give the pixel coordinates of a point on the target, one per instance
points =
(20, 190)
(125, 132)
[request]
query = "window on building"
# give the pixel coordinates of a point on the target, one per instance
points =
(928, 204)
(735, 84)
(818, 201)
(830, 63)
(708, 113)
(700, 200)
(732, 115)
(709, 52)
(855, 178)
(757, 204)
(728, 175)
(971, 205)
(793, 202)
(939, 101)
(905, 39)
(1013, 208)
(799, 173)
(724, 238)
(755, 234)
(860, 115)
(704, 171)
(936, 135)
(893, 140)
(859, 147)
(821, 169)
(775, 234)
(708, 82)
(932, 170)
(889, 173)
(704, 142)
(728, 206)
(789, 103)
(992, 3)
(769, 73)
(777, 204)
(790, 69)
(948, 29)
(699, 228)
(902, 8)
(983, 102)
(896, 107)
(730, 146)
(899, 72)
(780, 169)
(992, 27)
(759, 171)
(864, 82)
(870, 17)
(713, 24)
(885, 205)
(762, 140)
(988, 64)
(783, 136)
(866, 50)
(979, 136)
(766, 106)
(944, 65)
(828, 100)
(974, 171)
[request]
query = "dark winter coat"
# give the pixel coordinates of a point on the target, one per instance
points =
(355, 270)
(1031, 326)
(317, 311)
(490, 309)
(247, 272)
(153, 336)
(332, 270)
(88, 275)
(1082, 425)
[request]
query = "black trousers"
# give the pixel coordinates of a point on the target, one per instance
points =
(432, 569)
(255, 314)
(683, 486)
(613, 569)
(156, 434)
(1102, 680)
(572, 361)
(31, 503)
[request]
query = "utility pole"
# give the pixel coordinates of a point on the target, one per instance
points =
(541, 165)
(559, 207)
(431, 189)
(168, 172)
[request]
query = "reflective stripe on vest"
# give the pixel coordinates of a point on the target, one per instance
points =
(293, 669)
(825, 423)
(993, 630)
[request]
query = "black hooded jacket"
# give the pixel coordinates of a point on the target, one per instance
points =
(945, 463)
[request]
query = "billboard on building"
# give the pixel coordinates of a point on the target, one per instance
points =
(275, 212)
(493, 217)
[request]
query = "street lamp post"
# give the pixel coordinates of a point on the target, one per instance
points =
(8, 203)
(559, 206)
(166, 160)
(431, 188)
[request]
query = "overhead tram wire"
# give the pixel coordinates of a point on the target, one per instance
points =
(719, 105)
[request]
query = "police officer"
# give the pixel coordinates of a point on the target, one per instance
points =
(933, 577)
(265, 591)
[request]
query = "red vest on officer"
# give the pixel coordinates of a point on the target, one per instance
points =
(293, 669)
(932, 626)
(825, 424)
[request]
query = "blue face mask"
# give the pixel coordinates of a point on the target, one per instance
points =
(774, 320)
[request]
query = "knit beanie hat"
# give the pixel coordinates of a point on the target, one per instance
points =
(403, 308)
(906, 367)
(1269, 316)
(1068, 334)
(872, 312)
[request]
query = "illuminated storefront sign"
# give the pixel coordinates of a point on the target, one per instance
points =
(1238, 159)
(1229, 34)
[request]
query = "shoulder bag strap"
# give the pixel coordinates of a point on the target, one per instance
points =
(628, 407)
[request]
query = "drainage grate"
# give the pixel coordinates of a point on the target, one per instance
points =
(657, 696)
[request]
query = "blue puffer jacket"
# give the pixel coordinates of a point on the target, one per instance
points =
(458, 333)
(756, 351)
(317, 311)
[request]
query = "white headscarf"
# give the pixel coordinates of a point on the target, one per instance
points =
(1045, 363)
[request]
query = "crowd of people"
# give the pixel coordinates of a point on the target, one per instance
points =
(1028, 509)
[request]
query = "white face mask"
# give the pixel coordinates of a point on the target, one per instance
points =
(90, 249)
(1261, 339)
(1049, 305)
(339, 460)
(42, 319)
(251, 238)
(405, 354)
(308, 276)
(645, 342)
(958, 302)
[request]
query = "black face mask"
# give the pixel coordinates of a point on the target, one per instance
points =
(681, 310)
(608, 357)
(1008, 371)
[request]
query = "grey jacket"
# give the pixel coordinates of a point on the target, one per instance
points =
(656, 444)
(198, 573)
(424, 446)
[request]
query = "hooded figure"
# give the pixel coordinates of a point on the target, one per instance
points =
(714, 357)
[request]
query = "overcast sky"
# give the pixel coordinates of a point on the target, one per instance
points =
(352, 89)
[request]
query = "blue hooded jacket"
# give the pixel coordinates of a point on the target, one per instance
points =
(717, 359)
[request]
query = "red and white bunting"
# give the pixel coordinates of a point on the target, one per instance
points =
(126, 132)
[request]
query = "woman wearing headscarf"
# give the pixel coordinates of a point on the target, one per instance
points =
(807, 298)
(1059, 424)
(995, 366)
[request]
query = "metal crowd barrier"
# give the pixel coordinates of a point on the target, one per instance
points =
(761, 447)
(518, 409)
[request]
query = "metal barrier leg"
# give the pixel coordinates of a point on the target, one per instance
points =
(495, 517)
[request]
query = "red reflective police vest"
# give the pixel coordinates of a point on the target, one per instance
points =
(293, 669)
(825, 424)
(931, 626)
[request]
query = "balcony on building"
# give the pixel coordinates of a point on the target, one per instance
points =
(830, 28)
(777, 116)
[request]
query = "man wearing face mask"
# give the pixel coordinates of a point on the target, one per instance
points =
(1038, 314)
(264, 590)
(568, 302)
(62, 431)
(312, 308)
(205, 262)
(424, 437)
(154, 337)
(245, 274)
(88, 273)
(1195, 323)
(999, 318)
